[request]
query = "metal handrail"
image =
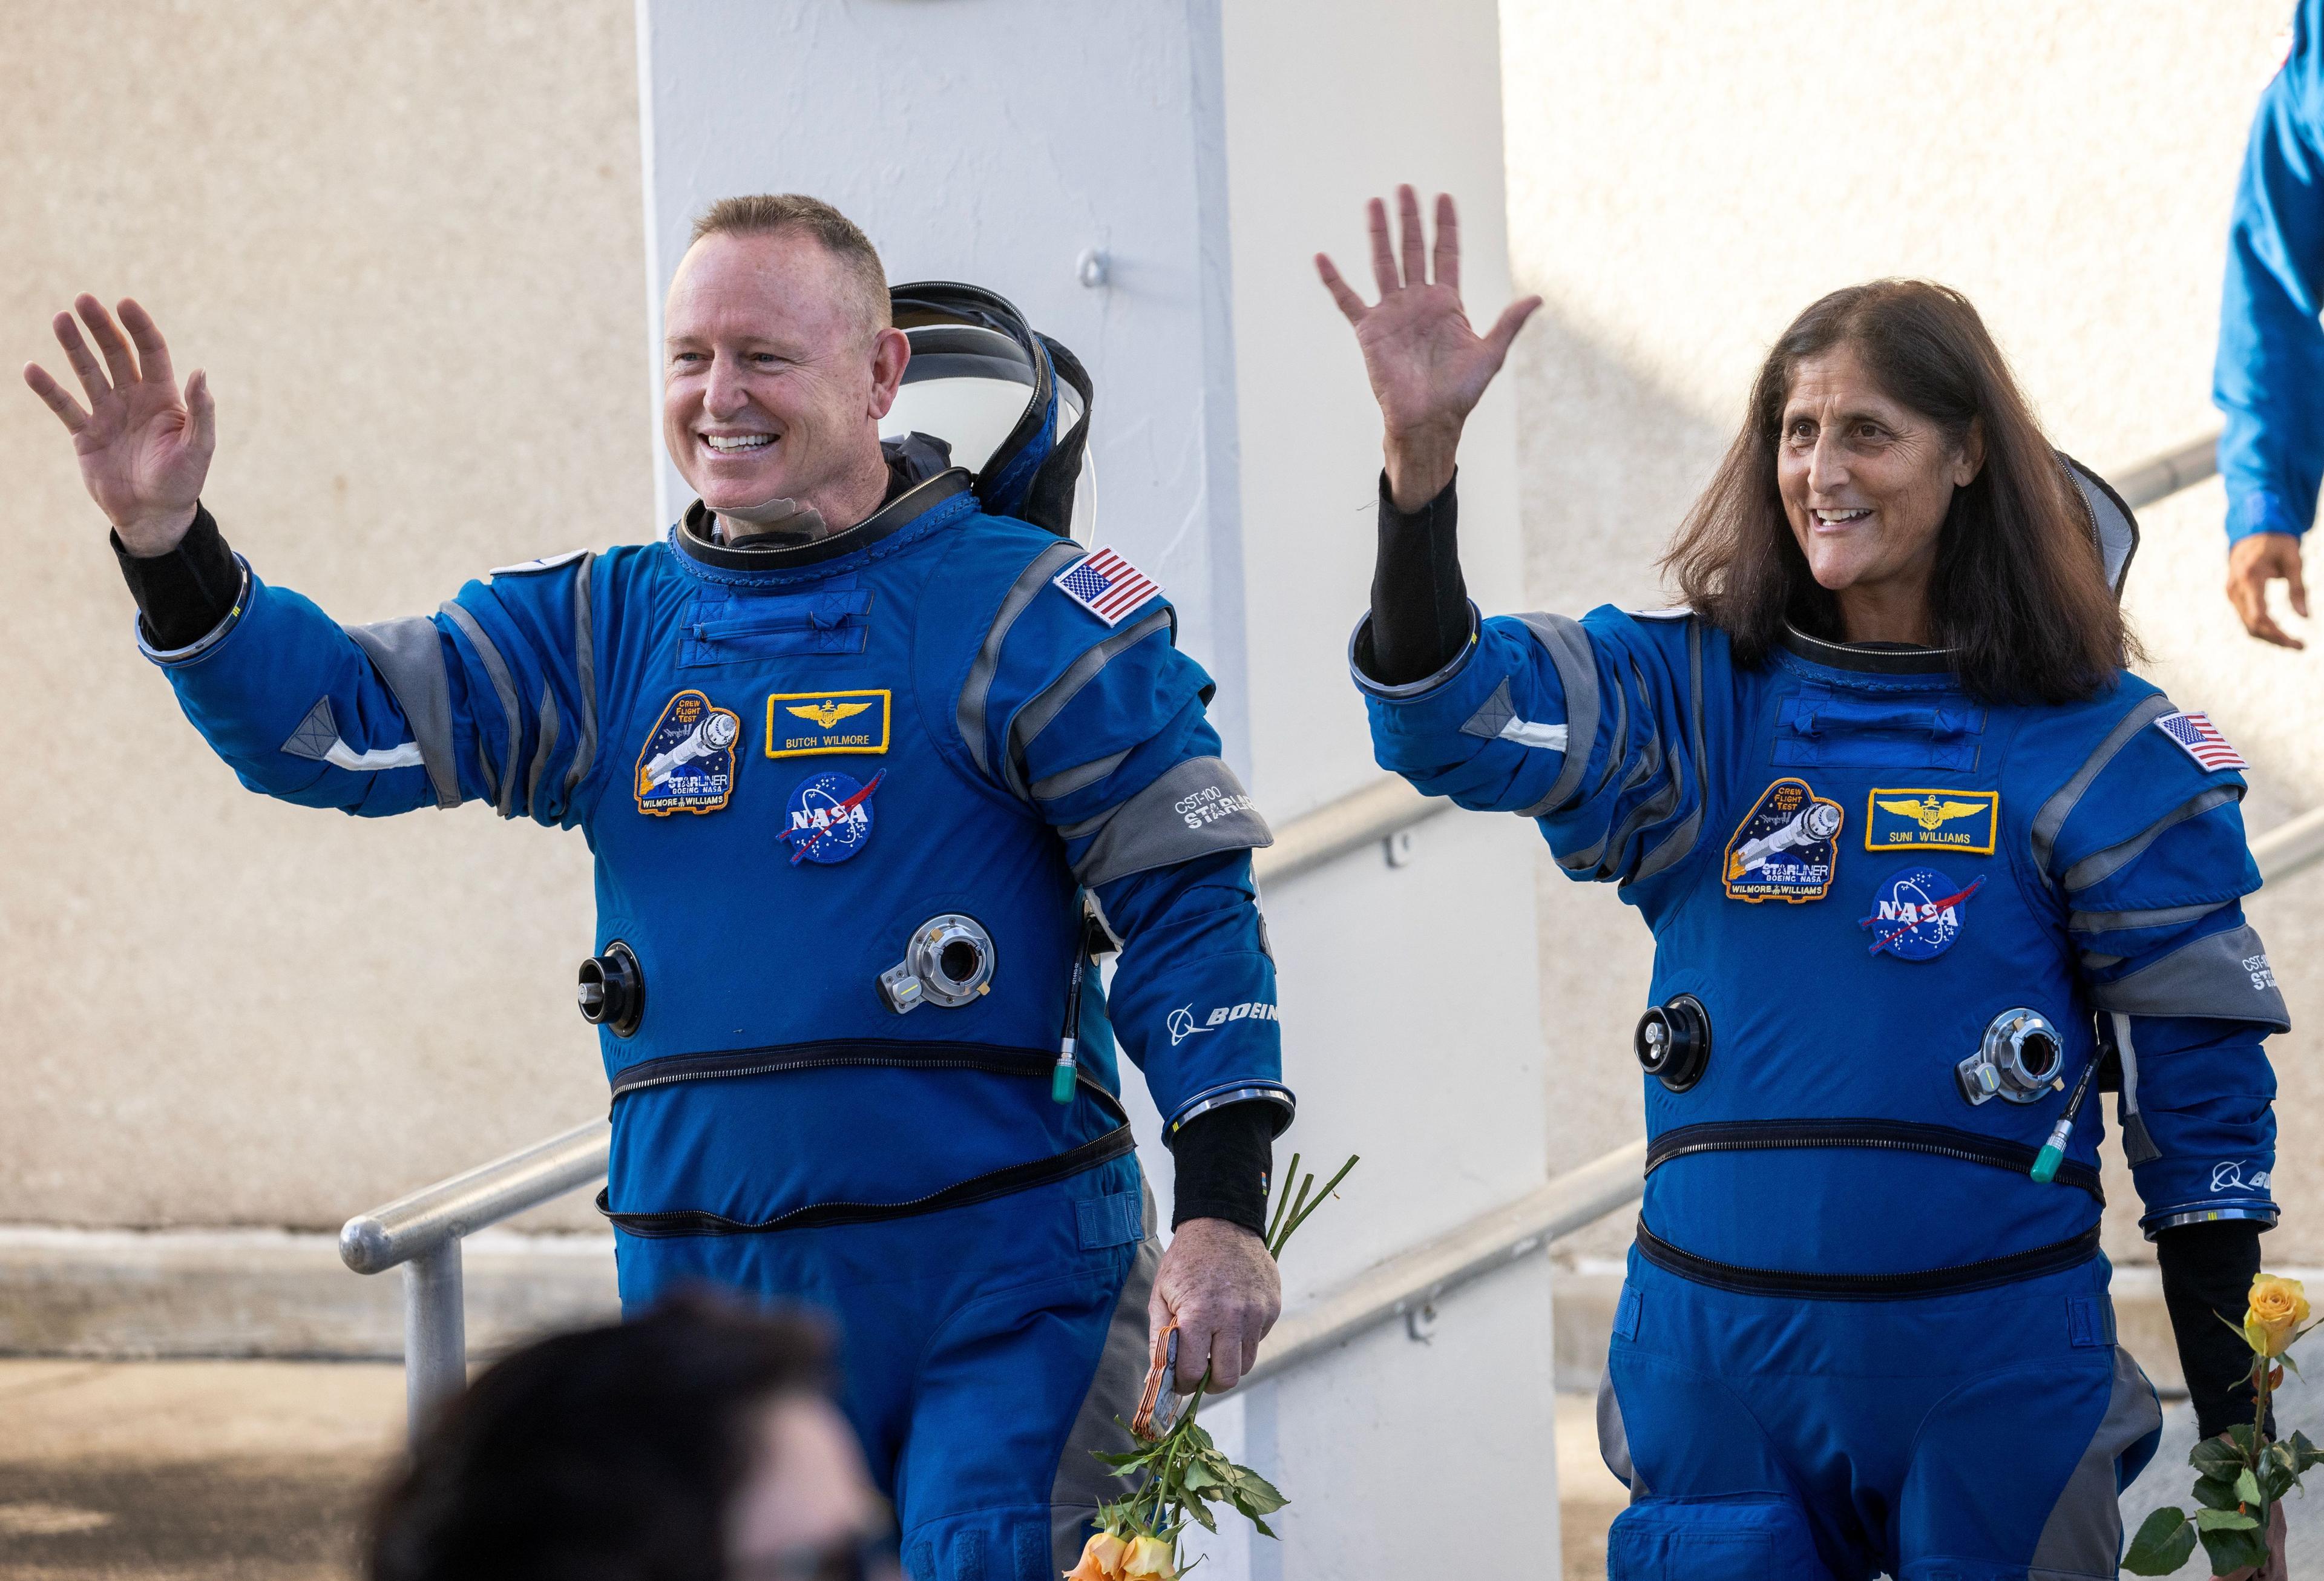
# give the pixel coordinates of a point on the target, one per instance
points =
(2158, 477)
(422, 1232)
(1409, 1286)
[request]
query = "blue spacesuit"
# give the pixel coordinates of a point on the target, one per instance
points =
(2269, 379)
(846, 800)
(1895, 925)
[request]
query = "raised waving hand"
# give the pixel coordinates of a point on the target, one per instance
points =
(1428, 367)
(143, 448)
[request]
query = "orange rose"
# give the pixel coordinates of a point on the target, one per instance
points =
(1101, 1558)
(1150, 1557)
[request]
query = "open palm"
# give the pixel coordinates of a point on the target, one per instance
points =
(1427, 365)
(143, 448)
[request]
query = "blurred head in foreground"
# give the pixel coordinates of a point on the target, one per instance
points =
(696, 1444)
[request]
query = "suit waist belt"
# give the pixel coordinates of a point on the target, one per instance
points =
(1986, 1274)
(1036, 1065)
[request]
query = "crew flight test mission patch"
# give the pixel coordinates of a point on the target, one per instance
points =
(1787, 848)
(688, 763)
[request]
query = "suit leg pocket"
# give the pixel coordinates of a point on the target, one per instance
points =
(1738, 1538)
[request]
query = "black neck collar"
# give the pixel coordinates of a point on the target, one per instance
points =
(1871, 658)
(695, 541)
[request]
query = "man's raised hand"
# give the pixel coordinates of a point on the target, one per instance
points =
(144, 449)
(1428, 367)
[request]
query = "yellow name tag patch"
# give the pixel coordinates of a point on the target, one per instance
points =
(1922, 820)
(806, 724)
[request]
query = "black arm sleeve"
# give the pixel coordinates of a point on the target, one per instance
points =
(2206, 1274)
(1420, 605)
(1224, 1158)
(181, 595)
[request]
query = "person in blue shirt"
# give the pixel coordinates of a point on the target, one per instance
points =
(1924, 863)
(2269, 379)
(870, 769)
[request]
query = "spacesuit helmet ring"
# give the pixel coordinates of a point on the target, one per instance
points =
(1012, 403)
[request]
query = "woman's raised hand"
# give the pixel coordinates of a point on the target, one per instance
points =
(1428, 367)
(143, 450)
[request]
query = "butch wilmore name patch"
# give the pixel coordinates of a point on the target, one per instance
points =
(804, 724)
(1921, 820)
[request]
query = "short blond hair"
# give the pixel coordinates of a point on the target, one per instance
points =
(767, 214)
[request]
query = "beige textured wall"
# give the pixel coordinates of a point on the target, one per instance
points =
(1684, 177)
(404, 240)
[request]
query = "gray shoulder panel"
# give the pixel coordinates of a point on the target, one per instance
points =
(2060, 806)
(1080, 777)
(2126, 921)
(503, 688)
(1681, 840)
(1035, 715)
(2100, 865)
(2221, 977)
(585, 674)
(1194, 808)
(1577, 673)
(545, 749)
(409, 655)
(974, 696)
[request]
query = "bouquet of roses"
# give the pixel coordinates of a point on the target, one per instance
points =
(2238, 1478)
(1178, 1471)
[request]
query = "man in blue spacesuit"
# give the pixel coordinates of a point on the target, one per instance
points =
(2269, 379)
(871, 770)
(1923, 864)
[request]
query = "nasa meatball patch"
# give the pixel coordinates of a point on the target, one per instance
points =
(1917, 913)
(1787, 848)
(830, 818)
(688, 763)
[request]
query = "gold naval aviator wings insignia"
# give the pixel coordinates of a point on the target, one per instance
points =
(827, 714)
(1929, 812)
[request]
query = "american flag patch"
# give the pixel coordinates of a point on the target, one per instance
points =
(2202, 740)
(1106, 585)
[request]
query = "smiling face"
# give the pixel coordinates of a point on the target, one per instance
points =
(1866, 482)
(775, 376)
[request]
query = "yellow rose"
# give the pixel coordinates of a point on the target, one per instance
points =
(1101, 1558)
(2278, 1309)
(1149, 1555)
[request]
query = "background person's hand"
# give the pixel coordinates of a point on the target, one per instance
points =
(1219, 1282)
(2254, 562)
(143, 450)
(1427, 366)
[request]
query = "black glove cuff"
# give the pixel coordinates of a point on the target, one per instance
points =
(2206, 1274)
(1225, 1157)
(1420, 603)
(183, 595)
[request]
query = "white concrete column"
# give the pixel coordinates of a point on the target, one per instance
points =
(1208, 152)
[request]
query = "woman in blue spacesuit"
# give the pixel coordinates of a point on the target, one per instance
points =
(1924, 866)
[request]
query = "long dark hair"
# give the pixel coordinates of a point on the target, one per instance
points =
(2018, 593)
